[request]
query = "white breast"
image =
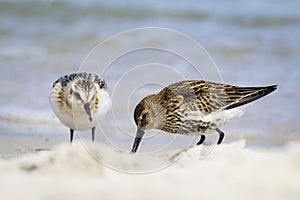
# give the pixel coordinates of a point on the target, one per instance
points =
(77, 118)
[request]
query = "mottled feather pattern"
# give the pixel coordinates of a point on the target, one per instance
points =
(58, 93)
(179, 99)
(79, 99)
(173, 119)
(193, 107)
(209, 97)
(194, 126)
(86, 77)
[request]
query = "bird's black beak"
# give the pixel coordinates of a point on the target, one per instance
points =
(87, 110)
(137, 140)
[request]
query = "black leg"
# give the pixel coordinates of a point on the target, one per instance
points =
(71, 135)
(201, 140)
(221, 135)
(93, 133)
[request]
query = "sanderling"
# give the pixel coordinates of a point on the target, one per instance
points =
(78, 100)
(193, 107)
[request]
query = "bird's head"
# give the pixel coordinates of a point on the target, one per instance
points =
(82, 95)
(148, 114)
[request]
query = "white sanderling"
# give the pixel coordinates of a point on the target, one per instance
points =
(193, 107)
(78, 100)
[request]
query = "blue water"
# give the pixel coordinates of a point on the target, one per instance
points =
(252, 43)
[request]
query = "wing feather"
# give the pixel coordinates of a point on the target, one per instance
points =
(209, 97)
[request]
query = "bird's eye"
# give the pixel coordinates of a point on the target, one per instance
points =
(144, 116)
(77, 95)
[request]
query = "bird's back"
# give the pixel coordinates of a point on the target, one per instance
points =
(209, 97)
(196, 104)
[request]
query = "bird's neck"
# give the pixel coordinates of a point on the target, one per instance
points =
(158, 112)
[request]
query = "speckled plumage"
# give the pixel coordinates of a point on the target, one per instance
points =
(194, 107)
(79, 99)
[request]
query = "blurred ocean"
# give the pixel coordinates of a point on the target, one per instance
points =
(253, 43)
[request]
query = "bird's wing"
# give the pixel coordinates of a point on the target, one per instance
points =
(209, 97)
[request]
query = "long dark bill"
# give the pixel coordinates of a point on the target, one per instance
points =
(137, 140)
(87, 110)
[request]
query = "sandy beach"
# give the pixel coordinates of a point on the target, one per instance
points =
(231, 171)
(139, 47)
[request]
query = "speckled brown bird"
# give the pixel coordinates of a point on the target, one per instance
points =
(193, 107)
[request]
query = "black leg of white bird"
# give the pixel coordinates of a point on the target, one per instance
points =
(71, 135)
(93, 133)
(201, 140)
(221, 135)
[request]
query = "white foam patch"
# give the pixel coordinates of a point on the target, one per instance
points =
(231, 171)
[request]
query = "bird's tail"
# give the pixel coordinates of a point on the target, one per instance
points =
(251, 94)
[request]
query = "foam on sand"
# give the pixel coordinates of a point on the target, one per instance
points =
(231, 171)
